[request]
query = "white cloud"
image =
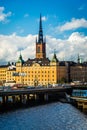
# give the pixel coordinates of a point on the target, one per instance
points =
(11, 45)
(68, 49)
(73, 24)
(44, 18)
(3, 16)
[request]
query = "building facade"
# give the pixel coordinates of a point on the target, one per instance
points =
(41, 70)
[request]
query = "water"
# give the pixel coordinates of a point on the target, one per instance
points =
(55, 116)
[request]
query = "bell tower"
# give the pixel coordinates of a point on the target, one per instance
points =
(40, 43)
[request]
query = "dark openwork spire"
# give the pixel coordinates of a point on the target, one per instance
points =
(40, 43)
(40, 35)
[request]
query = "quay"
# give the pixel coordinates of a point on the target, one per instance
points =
(81, 103)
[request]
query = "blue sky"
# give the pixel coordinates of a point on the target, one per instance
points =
(25, 14)
(64, 25)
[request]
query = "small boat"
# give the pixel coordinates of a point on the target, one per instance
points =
(79, 93)
(78, 98)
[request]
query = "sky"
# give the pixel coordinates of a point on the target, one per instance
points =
(64, 26)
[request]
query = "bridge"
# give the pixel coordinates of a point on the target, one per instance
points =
(27, 95)
(34, 96)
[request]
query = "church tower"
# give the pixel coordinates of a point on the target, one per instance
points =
(40, 43)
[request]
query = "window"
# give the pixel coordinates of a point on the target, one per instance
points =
(38, 49)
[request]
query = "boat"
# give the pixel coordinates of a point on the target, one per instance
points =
(79, 93)
(79, 98)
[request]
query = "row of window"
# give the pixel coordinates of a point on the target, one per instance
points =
(34, 80)
(2, 78)
(30, 65)
(2, 74)
(40, 75)
(37, 72)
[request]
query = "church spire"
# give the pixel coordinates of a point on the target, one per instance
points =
(40, 43)
(54, 59)
(40, 35)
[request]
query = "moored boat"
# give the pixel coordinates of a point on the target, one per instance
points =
(78, 97)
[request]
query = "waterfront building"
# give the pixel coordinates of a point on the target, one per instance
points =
(78, 72)
(3, 69)
(41, 70)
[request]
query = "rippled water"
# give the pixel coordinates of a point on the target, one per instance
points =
(55, 116)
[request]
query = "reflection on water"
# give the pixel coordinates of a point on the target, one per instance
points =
(55, 116)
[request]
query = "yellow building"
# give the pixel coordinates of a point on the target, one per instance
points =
(3, 69)
(37, 71)
(6, 73)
